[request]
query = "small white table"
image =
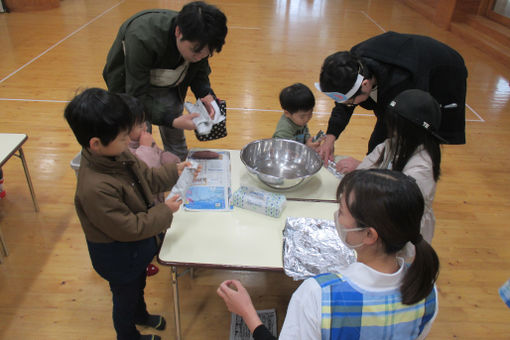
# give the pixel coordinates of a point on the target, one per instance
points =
(11, 144)
(240, 239)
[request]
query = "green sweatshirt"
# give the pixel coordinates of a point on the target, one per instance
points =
(147, 41)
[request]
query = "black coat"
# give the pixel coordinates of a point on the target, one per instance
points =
(406, 61)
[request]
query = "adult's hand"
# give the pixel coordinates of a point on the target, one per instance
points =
(185, 122)
(238, 301)
(347, 165)
(207, 103)
(327, 148)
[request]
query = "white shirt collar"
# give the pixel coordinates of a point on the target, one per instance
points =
(368, 278)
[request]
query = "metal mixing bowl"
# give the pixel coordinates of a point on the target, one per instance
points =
(280, 163)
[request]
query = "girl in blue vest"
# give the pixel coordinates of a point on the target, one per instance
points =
(377, 297)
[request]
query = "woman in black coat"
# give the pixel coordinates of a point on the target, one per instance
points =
(375, 71)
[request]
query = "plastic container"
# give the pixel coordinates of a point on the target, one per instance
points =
(261, 201)
(75, 163)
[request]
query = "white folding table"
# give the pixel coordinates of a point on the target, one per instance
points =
(240, 239)
(11, 144)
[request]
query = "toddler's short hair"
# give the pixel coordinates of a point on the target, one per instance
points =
(297, 97)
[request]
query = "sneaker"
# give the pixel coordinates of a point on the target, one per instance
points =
(155, 321)
(152, 270)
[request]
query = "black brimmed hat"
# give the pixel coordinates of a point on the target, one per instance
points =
(420, 108)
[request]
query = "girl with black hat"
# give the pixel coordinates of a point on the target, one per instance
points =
(412, 119)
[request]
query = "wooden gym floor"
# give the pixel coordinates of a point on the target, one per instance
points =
(48, 289)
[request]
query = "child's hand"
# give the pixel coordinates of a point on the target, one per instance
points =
(347, 165)
(182, 165)
(199, 168)
(238, 301)
(314, 145)
(173, 203)
(146, 138)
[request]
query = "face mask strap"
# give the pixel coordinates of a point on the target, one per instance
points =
(342, 232)
(340, 97)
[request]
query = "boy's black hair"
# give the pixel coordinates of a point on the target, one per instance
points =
(297, 97)
(136, 107)
(98, 113)
(203, 23)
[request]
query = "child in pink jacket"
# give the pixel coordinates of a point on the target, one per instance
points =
(142, 144)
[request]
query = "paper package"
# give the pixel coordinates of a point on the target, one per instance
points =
(258, 200)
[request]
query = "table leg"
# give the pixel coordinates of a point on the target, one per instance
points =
(27, 175)
(4, 246)
(177, 312)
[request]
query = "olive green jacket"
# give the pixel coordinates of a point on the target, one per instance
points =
(145, 42)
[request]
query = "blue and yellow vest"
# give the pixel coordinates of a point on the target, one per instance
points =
(351, 313)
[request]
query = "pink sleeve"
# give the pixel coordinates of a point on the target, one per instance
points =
(149, 155)
(168, 157)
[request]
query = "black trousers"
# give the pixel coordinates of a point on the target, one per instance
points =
(129, 307)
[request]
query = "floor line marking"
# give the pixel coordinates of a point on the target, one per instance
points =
(59, 42)
(480, 117)
(34, 100)
(375, 23)
(244, 28)
(230, 108)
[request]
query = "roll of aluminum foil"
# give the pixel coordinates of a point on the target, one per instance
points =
(312, 246)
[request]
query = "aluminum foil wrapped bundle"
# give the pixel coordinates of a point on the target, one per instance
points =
(311, 247)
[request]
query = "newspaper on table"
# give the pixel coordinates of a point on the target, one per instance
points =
(239, 330)
(211, 190)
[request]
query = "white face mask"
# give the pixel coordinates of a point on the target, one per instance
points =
(342, 232)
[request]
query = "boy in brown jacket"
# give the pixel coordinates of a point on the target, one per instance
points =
(115, 206)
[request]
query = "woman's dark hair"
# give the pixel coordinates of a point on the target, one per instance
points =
(203, 23)
(407, 137)
(136, 107)
(392, 204)
(340, 70)
(98, 113)
(297, 97)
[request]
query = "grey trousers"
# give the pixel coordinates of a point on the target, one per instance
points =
(173, 139)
